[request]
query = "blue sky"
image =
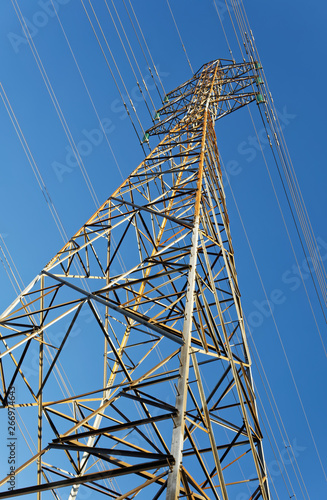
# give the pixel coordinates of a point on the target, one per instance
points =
(291, 40)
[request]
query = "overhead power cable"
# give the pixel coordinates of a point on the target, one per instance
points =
(147, 48)
(289, 237)
(279, 421)
(111, 71)
(13, 271)
(257, 353)
(134, 58)
(173, 17)
(284, 158)
(298, 231)
(223, 28)
(272, 117)
(32, 161)
(88, 91)
(37, 174)
(279, 336)
(129, 61)
(281, 464)
(54, 100)
(299, 216)
(235, 32)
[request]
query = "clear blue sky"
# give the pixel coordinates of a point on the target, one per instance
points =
(291, 38)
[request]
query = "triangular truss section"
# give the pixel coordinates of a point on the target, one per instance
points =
(128, 351)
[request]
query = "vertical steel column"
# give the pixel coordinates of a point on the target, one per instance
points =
(106, 325)
(174, 478)
(40, 409)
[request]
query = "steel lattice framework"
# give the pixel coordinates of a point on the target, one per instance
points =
(141, 311)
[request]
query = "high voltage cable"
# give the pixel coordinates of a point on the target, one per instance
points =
(87, 91)
(282, 135)
(54, 100)
(325, 352)
(111, 72)
(4, 250)
(34, 166)
(133, 55)
(66, 129)
(94, 108)
(288, 446)
(288, 169)
(8, 270)
(289, 237)
(257, 353)
(129, 61)
(64, 125)
(222, 26)
(235, 32)
(276, 446)
(32, 162)
(290, 177)
(279, 335)
(303, 223)
(297, 229)
(180, 37)
(146, 46)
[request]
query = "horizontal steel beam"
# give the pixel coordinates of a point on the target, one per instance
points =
(86, 478)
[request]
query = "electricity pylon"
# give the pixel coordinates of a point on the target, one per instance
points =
(139, 319)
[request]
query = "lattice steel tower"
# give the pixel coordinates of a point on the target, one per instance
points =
(139, 318)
